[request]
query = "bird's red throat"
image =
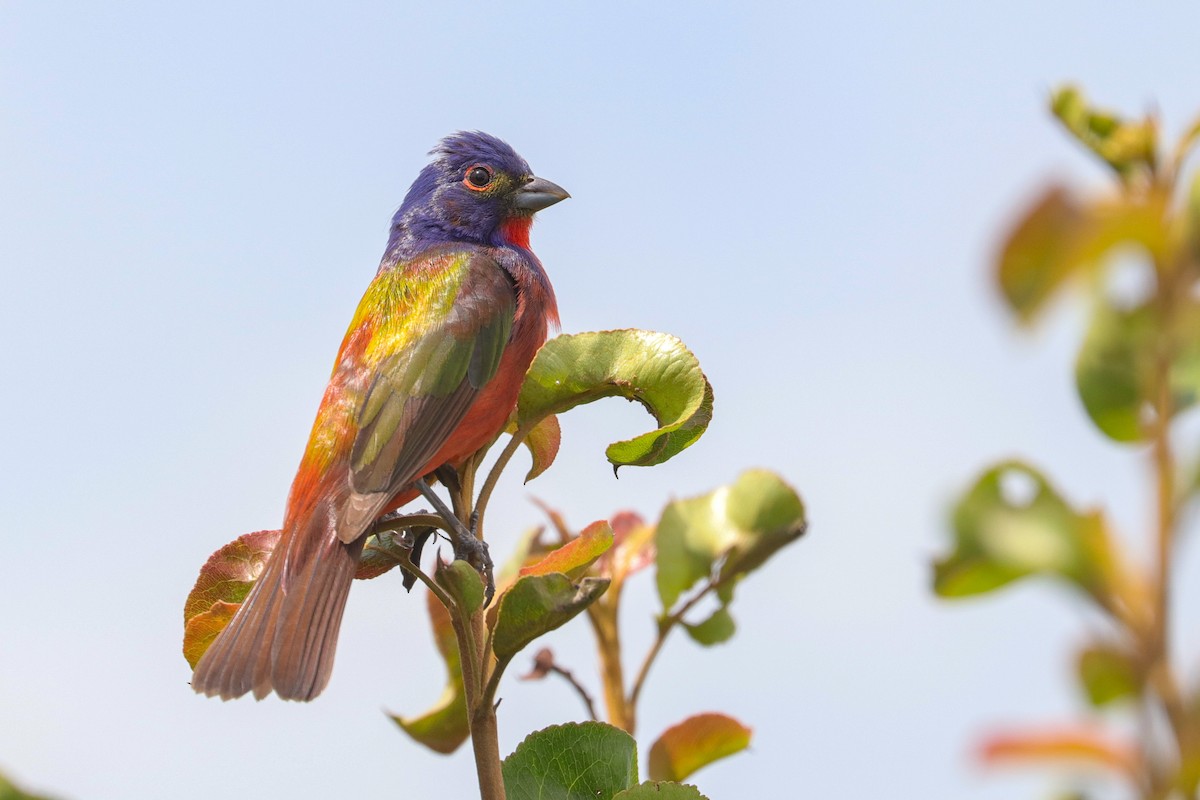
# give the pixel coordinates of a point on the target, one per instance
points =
(515, 230)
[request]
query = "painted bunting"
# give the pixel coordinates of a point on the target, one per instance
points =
(427, 373)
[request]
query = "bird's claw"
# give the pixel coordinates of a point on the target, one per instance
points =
(467, 546)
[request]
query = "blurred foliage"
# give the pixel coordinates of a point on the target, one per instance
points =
(1137, 374)
(10, 791)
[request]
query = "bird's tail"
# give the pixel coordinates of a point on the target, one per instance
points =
(283, 637)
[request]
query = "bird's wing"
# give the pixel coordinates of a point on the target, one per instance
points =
(439, 334)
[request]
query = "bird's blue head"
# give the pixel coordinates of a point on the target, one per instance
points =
(477, 190)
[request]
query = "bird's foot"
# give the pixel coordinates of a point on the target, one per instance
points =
(467, 545)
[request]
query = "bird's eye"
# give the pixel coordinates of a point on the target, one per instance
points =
(478, 177)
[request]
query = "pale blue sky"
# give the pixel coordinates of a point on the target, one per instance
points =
(195, 195)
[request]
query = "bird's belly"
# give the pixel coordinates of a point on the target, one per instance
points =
(487, 416)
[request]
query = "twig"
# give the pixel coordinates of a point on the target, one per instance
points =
(489, 484)
(544, 663)
(665, 626)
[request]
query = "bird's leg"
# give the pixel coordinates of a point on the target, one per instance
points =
(448, 476)
(467, 545)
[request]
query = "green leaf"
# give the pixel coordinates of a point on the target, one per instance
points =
(1108, 674)
(694, 743)
(224, 581)
(717, 629)
(1113, 371)
(574, 557)
(536, 605)
(462, 583)
(10, 791)
(1011, 524)
(1116, 368)
(661, 790)
(1124, 145)
(655, 369)
(576, 761)
(735, 528)
(444, 727)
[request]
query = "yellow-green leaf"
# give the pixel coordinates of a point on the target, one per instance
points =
(1123, 144)
(1115, 372)
(1108, 673)
(736, 527)
(536, 605)
(1011, 524)
(694, 743)
(1040, 253)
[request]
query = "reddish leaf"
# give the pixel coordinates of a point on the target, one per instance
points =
(543, 443)
(694, 743)
(543, 665)
(224, 581)
(200, 631)
(1070, 743)
(1039, 253)
(632, 550)
(576, 555)
(230, 572)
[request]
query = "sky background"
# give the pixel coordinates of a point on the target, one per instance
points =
(193, 197)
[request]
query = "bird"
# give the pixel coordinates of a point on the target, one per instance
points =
(427, 373)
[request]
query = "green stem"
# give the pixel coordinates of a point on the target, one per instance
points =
(480, 677)
(489, 484)
(665, 626)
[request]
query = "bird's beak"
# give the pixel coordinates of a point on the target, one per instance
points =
(538, 194)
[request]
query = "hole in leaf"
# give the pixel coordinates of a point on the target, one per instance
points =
(1018, 489)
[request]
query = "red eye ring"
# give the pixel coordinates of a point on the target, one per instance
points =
(478, 177)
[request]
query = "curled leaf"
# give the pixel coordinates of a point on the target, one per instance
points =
(543, 442)
(694, 743)
(655, 369)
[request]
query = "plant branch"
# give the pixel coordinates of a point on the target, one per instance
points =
(665, 626)
(544, 664)
(489, 483)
